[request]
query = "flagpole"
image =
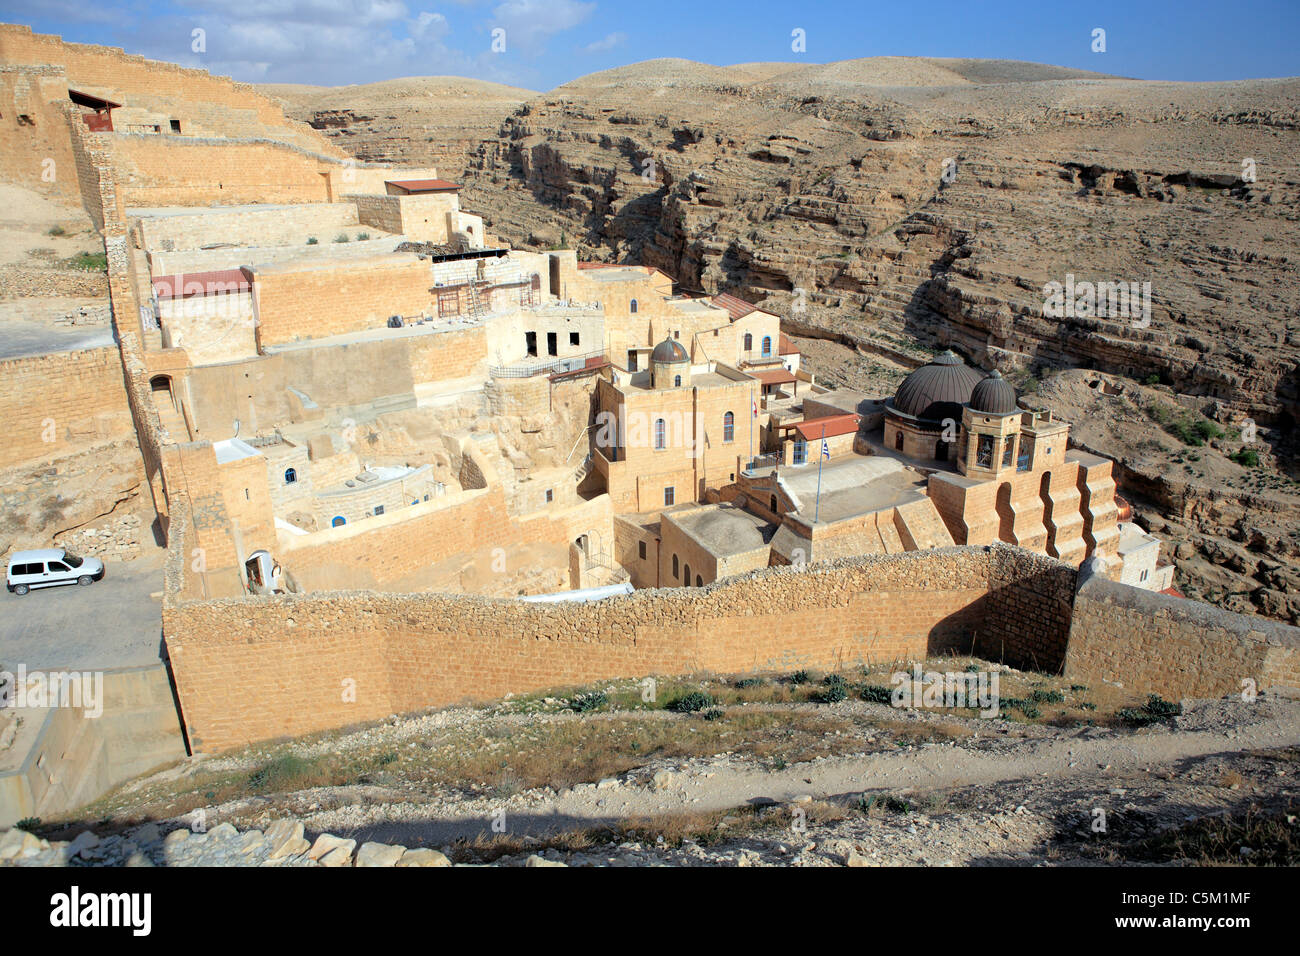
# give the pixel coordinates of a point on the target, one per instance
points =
(821, 453)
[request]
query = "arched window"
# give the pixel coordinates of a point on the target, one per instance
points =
(632, 307)
(677, 381)
(749, 342)
(767, 345)
(699, 581)
(661, 434)
(729, 426)
(773, 508)
(898, 440)
(290, 476)
(686, 579)
(338, 521)
(674, 567)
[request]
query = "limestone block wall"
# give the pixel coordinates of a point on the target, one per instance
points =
(36, 153)
(380, 212)
(60, 403)
(1155, 643)
(211, 328)
(630, 536)
(297, 303)
(404, 652)
(174, 241)
(185, 171)
(112, 69)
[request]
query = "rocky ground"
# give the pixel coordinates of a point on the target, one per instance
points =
(784, 774)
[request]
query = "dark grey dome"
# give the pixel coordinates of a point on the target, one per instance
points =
(994, 395)
(938, 390)
(669, 350)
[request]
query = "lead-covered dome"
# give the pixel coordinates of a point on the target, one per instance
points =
(937, 390)
(994, 396)
(669, 350)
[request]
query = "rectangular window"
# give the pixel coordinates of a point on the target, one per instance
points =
(1008, 453)
(530, 342)
(56, 566)
(550, 495)
(176, 126)
(552, 344)
(800, 452)
(631, 360)
(379, 509)
(641, 549)
(573, 338)
(670, 495)
(984, 453)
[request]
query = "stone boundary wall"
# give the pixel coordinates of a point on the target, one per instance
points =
(113, 68)
(1155, 643)
(178, 171)
(264, 667)
(59, 403)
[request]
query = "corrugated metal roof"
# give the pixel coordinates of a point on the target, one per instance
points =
(423, 185)
(186, 285)
(736, 308)
(774, 377)
(91, 100)
(813, 428)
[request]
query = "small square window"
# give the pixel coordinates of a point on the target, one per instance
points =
(573, 338)
(641, 549)
(379, 509)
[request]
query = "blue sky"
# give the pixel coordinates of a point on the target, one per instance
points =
(547, 42)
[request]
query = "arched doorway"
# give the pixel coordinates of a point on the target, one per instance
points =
(161, 387)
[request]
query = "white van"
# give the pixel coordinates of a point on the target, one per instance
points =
(49, 568)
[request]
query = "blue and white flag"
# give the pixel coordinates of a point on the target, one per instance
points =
(826, 452)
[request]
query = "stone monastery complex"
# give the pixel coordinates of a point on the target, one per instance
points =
(347, 391)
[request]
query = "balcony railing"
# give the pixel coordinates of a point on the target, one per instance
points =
(571, 363)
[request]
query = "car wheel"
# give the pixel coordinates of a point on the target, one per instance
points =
(20, 589)
(85, 580)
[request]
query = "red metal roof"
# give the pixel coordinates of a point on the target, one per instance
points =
(186, 285)
(813, 428)
(91, 101)
(736, 308)
(786, 346)
(775, 377)
(423, 185)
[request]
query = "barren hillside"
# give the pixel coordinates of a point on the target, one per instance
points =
(764, 179)
(423, 120)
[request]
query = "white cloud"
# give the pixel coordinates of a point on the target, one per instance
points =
(608, 43)
(430, 25)
(530, 23)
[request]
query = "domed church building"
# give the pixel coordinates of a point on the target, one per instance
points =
(923, 417)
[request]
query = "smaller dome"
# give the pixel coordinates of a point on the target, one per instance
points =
(994, 396)
(669, 350)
